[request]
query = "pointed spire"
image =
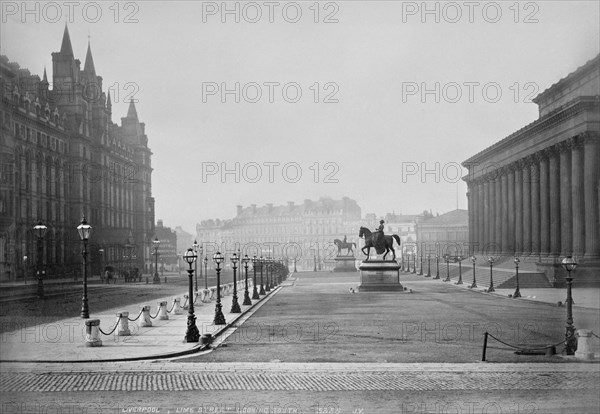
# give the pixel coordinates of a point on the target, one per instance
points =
(89, 61)
(108, 102)
(45, 79)
(66, 47)
(131, 112)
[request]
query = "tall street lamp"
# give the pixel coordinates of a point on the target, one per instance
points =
(262, 286)
(219, 317)
(402, 261)
(205, 272)
(447, 259)
(420, 263)
(254, 291)
(195, 247)
(267, 284)
(200, 260)
(414, 256)
(408, 262)
(156, 244)
(40, 230)
(569, 264)
(235, 306)
(295, 270)
(517, 293)
(247, 300)
(84, 230)
(428, 265)
(101, 251)
(437, 266)
(474, 284)
(491, 260)
(459, 259)
(191, 334)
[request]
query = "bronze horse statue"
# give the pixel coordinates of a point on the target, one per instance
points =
(388, 243)
(344, 245)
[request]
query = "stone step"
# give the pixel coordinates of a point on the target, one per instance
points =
(529, 280)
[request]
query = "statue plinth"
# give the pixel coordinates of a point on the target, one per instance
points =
(380, 276)
(345, 264)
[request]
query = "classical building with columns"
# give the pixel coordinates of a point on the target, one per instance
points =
(534, 194)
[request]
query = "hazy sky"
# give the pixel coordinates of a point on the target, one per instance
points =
(366, 68)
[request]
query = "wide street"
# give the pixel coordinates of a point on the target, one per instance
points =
(316, 347)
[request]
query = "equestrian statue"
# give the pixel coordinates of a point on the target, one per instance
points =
(382, 243)
(343, 244)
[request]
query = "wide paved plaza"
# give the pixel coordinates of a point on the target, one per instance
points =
(314, 346)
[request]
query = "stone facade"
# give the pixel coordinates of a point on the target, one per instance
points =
(304, 230)
(62, 157)
(445, 234)
(535, 193)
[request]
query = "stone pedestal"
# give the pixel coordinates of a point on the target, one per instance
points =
(380, 276)
(345, 264)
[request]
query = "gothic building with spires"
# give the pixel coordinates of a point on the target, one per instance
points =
(62, 157)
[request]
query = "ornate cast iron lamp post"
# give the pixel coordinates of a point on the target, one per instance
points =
(517, 293)
(267, 266)
(205, 272)
(569, 264)
(195, 247)
(262, 286)
(40, 230)
(474, 284)
(84, 230)
(235, 306)
(428, 265)
(459, 259)
(437, 266)
(491, 260)
(420, 263)
(254, 291)
(447, 260)
(192, 334)
(219, 317)
(247, 300)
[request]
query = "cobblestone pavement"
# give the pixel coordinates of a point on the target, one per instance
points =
(298, 377)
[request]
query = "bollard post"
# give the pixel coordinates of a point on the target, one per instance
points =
(584, 348)
(196, 294)
(123, 328)
(212, 293)
(162, 311)
(146, 279)
(165, 279)
(206, 295)
(485, 338)
(92, 332)
(146, 320)
(177, 309)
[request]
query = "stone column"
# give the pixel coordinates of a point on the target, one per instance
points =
(498, 228)
(544, 206)
(566, 223)
(518, 207)
(471, 214)
(492, 216)
(591, 171)
(511, 209)
(535, 204)
(554, 188)
(526, 249)
(481, 214)
(577, 198)
(486, 214)
(504, 192)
